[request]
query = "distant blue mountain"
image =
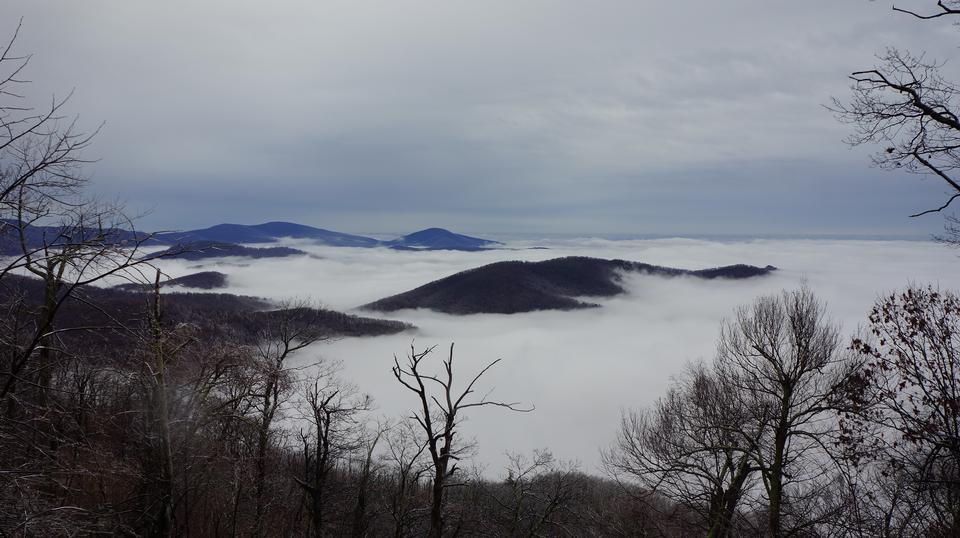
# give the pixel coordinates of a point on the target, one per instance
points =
(37, 236)
(440, 239)
(266, 233)
(238, 234)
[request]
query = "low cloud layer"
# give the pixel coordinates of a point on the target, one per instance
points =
(581, 368)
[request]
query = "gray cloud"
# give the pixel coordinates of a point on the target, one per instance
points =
(535, 116)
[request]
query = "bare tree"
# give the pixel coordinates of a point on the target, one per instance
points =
(905, 417)
(288, 330)
(905, 105)
(695, 447)
(784, 357)
(50, 231)
(162, 349)
(330, 411)
(885, 503)
(406, 459)
(368, 469)
(536, 493)
(440, 409)
(47, 228)
(40, 152)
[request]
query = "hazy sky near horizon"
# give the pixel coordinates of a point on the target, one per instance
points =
(620, 116)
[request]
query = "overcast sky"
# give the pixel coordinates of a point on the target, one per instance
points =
(533, 116)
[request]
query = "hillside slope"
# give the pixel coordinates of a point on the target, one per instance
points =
(237, 316)
(517, 286)
(204, 280)
(201, 250)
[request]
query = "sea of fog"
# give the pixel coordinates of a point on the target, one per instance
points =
(580, 369)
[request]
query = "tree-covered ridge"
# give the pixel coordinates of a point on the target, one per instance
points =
(518, 286)
(107, 312)
(205, 280)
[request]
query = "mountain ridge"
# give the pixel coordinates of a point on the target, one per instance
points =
(200, 250)
(209, 312)
(204, 280)
(37, 235)
(271, 232)
(267, 232)
(511, 287)
(440, 239)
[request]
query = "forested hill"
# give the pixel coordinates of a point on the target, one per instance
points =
(201, 250)
(516, 286)
(212, 313)
(204, 280)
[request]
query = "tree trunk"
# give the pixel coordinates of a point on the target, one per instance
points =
(45, 357)
(359, 527)
(775, 484)
(161, 410)
(259, 479)
(722, 522)
(165, 516)
(263, 441)
(436, 504)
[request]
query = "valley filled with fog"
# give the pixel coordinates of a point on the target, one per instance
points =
(578, 368)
